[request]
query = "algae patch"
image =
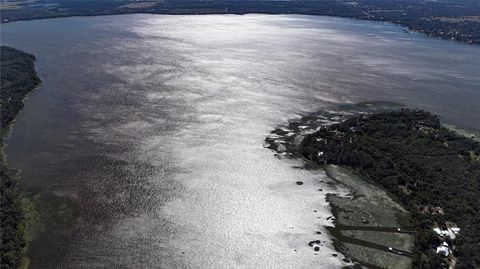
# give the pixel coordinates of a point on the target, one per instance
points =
(48, 218)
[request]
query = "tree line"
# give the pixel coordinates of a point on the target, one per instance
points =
(18, 78)
(421, 164)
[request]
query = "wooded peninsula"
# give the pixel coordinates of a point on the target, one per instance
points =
(432, 171)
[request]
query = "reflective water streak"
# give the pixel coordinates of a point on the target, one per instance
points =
(154, 125)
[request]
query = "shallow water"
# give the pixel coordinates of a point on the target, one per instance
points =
(154, 126)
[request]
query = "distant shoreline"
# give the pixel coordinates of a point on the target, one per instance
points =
(414, 20)
(405, 27)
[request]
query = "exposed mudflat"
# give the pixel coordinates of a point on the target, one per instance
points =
(367, 225)
(369, 206)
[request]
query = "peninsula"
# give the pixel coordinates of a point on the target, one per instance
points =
(432, 171)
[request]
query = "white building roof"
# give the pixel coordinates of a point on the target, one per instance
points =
(442, 250)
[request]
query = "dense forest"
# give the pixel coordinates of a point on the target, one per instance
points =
(457, 20)
(18, 78)
(432, 171)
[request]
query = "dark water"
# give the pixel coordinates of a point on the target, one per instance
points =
(153, 126)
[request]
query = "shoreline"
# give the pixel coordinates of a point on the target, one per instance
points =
(389, 240)
(37, 210)
(20, 66)
(286, 142)
(405, 27)
(8, 133)
(363, 230)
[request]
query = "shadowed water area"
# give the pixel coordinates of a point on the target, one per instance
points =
(153, 126)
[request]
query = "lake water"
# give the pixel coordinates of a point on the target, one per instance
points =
(153, 125)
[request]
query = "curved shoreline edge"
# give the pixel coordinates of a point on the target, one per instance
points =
(432, 22)
(19, 78)
(364, 142)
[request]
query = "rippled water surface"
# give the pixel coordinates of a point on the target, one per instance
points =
(153, 125)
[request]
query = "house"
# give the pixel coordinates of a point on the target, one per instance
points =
(443, 250)
(455, 230)
(452, 232)
(441, 233)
